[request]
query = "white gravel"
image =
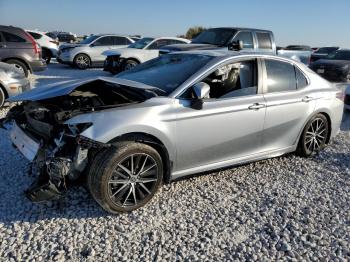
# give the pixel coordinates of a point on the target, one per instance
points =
(286, 208)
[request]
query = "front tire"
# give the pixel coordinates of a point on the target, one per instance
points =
(20, 65)
(314, 136)
(129, 64)
(125, 177)
(2, 97)
(82, 61)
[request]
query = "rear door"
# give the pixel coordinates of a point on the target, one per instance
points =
(289, 103)
(153, 48)
(99, 46)
(12, 44)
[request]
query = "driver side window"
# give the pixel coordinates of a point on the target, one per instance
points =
(231, 80)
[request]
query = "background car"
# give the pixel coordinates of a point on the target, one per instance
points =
(12, 82)
(170, 117)
(335, 67)
(347, 98)
(19, 48)
(139, 52)
(322, 53)
(229, 38)
(89, 52)
(66, 37)
(48, 45)
(300, 53)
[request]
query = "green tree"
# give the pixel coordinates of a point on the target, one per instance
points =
(193, 31)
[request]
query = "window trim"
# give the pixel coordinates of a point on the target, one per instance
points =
(251, 33)
(264, 76)
(211, 70)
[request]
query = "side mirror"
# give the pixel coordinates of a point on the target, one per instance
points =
(201, 91)
(236, 46)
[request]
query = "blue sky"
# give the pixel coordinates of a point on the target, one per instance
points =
(316, 23)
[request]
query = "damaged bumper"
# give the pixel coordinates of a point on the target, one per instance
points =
(53, 166)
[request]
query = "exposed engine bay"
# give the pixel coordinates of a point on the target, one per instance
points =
(58, 152)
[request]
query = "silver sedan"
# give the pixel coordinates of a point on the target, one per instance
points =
(173, 116)
(12, 82)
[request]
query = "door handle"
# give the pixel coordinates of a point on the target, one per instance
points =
(2, 45)
(307, 99)
(256, 106)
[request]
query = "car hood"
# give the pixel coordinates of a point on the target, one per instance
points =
(123, 51)
(188, 47)
(60, 89)
(325, 62)
(67, 45)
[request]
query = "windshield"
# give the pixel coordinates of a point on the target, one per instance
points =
(89, 39)
(217, 36)
(166, 72)
(340, 55)
(140, 44)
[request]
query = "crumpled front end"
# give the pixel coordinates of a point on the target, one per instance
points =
(39, 128)
(58, 153)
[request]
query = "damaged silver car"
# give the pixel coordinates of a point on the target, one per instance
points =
(173, 116)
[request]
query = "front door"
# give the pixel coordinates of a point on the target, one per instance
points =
(229, 125)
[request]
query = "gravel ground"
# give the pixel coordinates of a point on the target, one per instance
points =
(286, 208)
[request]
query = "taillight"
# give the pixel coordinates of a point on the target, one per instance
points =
(36, 47)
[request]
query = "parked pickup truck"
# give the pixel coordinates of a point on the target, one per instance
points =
(232, 38)
(301, 53)
(245, 40)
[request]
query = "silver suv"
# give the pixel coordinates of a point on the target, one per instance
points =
(88, 53)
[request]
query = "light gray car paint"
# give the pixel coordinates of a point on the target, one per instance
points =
(226, 131)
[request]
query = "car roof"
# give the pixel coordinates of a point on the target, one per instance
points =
(99, 35)
(241, 28)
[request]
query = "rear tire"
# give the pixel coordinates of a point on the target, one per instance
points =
(20, 65)
(82, 61)
(125, 177)
(314, 136)
(47, 56)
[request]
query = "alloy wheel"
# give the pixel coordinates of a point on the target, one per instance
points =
(82, 61)
(134, 179)
(316, 135)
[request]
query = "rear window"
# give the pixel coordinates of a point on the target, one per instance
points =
(264, 41)
(35, 35)
(13, 38)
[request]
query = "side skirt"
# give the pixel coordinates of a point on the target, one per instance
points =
(231, 162)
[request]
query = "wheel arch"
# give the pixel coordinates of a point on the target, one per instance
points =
(133, 59)
(19, 59)
(322, 112)
(48, 50)
(4, 91)
(152, 141)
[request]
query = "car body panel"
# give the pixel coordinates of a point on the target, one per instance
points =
(225, 131)
(12, 80)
